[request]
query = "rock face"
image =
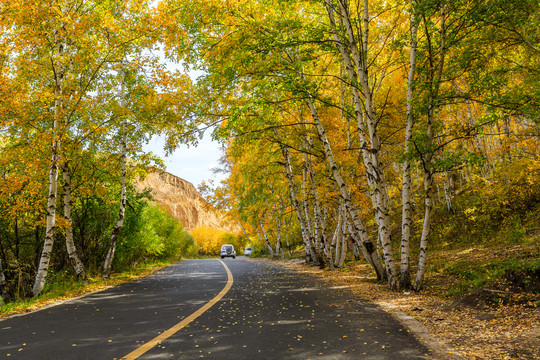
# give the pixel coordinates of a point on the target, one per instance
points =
(181, 200)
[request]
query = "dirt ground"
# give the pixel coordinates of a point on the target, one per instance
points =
(461, 327)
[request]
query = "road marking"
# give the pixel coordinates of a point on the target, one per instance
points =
(168, 333)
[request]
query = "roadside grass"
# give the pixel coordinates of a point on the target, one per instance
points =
(489, 241)
(503, 270)
(63, 286)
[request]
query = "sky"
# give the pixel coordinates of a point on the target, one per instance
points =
(193, 164)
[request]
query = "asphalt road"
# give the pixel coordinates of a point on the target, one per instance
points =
(268, 313)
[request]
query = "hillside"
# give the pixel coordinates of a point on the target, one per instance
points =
(181, 200)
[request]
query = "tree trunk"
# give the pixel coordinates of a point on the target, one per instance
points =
(428, 171)
(279, 250)
(355, 247)
(448, 190)
(46, 253)
(318, 221)
(270, 250)
(339, 263)
(406, 210)
(287, 239)
(43, 267)
(366, 126)
(422, 261)
(360, 229)
(243, 230)
(336, 239)
(296, 203)
(73, 255)
(107, 265)
(309, 228)
(3, 284)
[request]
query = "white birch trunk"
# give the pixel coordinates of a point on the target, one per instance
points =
(3, 283)
(343, 254)
(46, 253)
(428, 171)
(43, 267)
(107, 265)
(318, 221)
(243, 230)
(270, 250)
(285, 224)
(406, 209)
(73, 255)
(360, 229)
(336, 239)
(279, 250)
(373, 164)
(309, 227)
(447, 187)
(422, 261)
(354, 241)
(296, 203)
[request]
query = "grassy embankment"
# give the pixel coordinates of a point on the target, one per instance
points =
(489, 243)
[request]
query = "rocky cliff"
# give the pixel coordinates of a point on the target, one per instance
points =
(181, 200)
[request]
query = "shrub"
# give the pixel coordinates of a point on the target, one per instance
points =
(153, 235)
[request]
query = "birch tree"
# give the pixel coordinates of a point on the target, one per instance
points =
(359, 228)
(405, 280)
(306, 237)
(265, 65)
(58, 64)
(65, 43)
(435, 73)
(123, 163)
(70, 244)
(356, 58)
(2, 283)
(265, 236)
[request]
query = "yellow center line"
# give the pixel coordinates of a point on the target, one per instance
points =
(170, 332)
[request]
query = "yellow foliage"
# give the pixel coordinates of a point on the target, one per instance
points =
(208, 240)
(471, 213)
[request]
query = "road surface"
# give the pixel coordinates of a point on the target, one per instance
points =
(212, 309)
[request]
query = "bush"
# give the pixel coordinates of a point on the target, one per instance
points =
(516, 190)
(157, 236)
(209, 240)
(496, 211)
